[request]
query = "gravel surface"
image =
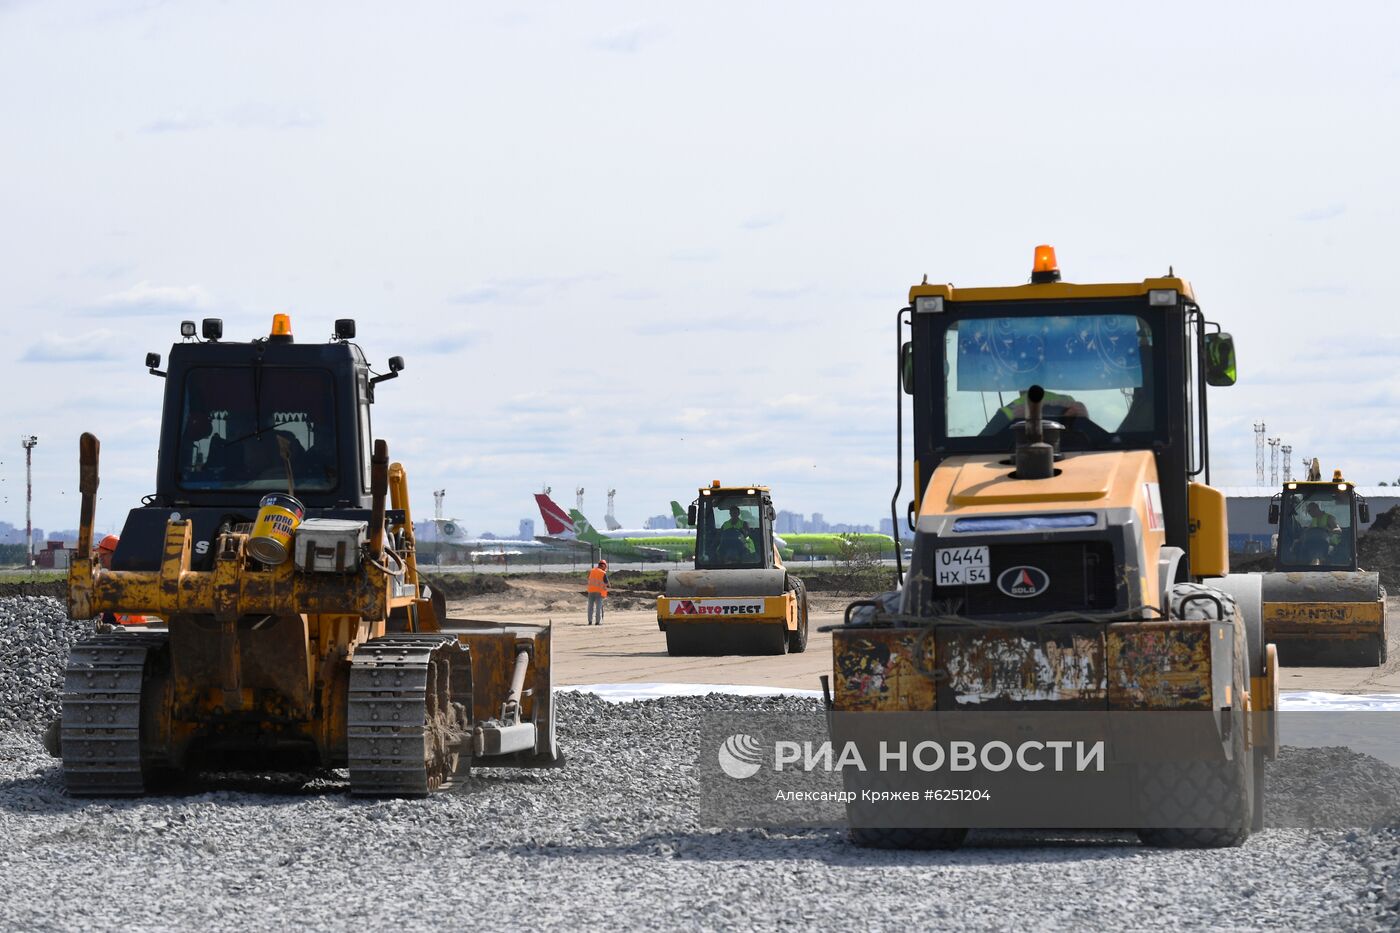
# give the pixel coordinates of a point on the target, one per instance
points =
(35, 635)
(609, 841)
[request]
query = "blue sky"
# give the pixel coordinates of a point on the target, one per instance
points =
(643, 246)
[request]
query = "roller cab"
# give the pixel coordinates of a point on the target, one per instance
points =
(1320, 607)
(739, 598)
(1069, 553)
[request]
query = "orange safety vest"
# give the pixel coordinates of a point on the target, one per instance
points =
(598, 581)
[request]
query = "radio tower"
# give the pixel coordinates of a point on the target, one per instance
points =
(578, 498)
(1287, 462)
(29, 440)
(1259, 453)
(438, 496)
(1273, 461)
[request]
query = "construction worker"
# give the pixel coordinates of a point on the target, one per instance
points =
(1318, 544)
(735, 542)
(102, 554)
(1055, 405)
(597, 592)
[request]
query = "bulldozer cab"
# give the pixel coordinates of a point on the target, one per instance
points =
(243, 419)
(1317, 525)
(733, 528)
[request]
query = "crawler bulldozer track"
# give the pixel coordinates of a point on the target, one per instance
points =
(101, 725)
(409, 717)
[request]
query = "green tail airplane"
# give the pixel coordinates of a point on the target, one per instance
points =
(660, 547)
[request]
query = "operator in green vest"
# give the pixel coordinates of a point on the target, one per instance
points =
(734, 538)
(1055, 407)
(1317, 518)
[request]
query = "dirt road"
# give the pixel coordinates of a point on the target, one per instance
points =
(629, 648)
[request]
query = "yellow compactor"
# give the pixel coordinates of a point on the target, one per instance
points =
(739, 598)
(282, 624)
(1069, 554)
(1320, 607)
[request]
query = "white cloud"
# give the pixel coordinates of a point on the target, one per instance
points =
(144, 298)
(265, 116)
(761, 221)
(626, 39)
(175, 123)
(1326, 212)
(250, 115)
(90, 347)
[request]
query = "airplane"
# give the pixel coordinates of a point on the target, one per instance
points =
(681, 539)
(572, 526)
(559, 522)
(813, 544)
(676, 547)
(449, 533)
(834, 546)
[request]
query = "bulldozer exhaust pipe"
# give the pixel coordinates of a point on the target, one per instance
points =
(379, 488)
(88, 450)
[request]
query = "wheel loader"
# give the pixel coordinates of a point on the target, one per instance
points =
(1069, 553)
(739, 598)
(1319, 606)
(285, 624)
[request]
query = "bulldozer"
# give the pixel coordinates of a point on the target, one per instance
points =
(1069, 553)
(282, 625)
(739, 598)
(1319, 606)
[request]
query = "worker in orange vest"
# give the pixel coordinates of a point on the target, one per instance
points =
(103, 555)
(597, 592)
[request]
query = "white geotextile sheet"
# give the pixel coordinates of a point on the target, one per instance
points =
(1290, 700)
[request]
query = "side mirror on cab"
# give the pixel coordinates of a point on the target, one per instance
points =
(692, 514)
(1220, 360)
(1363, 511)
(1273, 511)
(906, 368)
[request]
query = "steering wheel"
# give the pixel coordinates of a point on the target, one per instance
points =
(1083, 426)
(731, 544)
(1313, 543)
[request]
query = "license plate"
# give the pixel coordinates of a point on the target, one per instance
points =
(962, 566)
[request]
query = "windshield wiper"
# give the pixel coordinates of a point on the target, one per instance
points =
(259, 432)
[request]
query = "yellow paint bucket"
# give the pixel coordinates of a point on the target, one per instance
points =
(278, 516)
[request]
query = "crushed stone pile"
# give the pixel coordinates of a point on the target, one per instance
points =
(35, 635)
(1330, 787)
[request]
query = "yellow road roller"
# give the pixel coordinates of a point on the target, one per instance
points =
(1069, 553)
(739, 598)
(1320, 607)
